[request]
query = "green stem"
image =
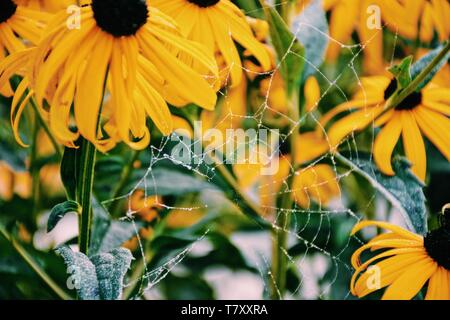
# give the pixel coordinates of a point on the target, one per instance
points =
(401, 95)
(232, 182)
(126, 174)
(47, 130)
(280, 234)
(35, 183)
(34, 266)
(84, 193)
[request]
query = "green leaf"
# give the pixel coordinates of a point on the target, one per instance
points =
(250, 8)
(69, 171)
(100, 277)
(59, 211)
(404, 190)
(13, 157)
(421, 64)
(109, 234)
(189, 287)
(402, 72)
(311, 29)
(289, 51)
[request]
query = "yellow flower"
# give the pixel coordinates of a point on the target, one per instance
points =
(146, 207)
(345, 17)
(406, 16)
(16, 25)
(46, 5)
(424, 112)
(408, 261)
(313, 183)
(134, 51)
(216, 23)
(14, 183)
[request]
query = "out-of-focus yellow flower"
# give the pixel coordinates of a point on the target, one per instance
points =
(273, 90)
(12, 182)
(406, 17)
(217, 24)
(179, 218)
(313, 183)
(424, 112)
(146, 208)
(229, 113)
(347, 16)
(312, 94)
(408, 261)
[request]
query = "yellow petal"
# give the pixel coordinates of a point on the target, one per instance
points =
(411, 281)
(413, 144)
(439, 285)
(385, 143)
(388, 226)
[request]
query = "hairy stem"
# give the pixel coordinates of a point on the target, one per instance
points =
(281, 232)
(35, 183)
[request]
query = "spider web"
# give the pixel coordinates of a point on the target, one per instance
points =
(301, 218)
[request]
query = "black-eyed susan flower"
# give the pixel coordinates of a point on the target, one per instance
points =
(47, 5)
(422, 113)
(346, 16)
(217, 24)
(417, 19)
(405, 265)
(132, 51)
(17, 26)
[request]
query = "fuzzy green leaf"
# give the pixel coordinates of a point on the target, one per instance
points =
(311, 29)
(421, 64)
(404, 190)
(101, 276)
(111, 269)
(83, 276)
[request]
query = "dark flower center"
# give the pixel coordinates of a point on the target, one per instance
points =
(437, 244)
(120, 17)
(204, 3)
(409, 103)
(7, 9)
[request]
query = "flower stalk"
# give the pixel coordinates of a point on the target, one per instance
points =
(43, 124)
(84, 193)
(281, 232)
